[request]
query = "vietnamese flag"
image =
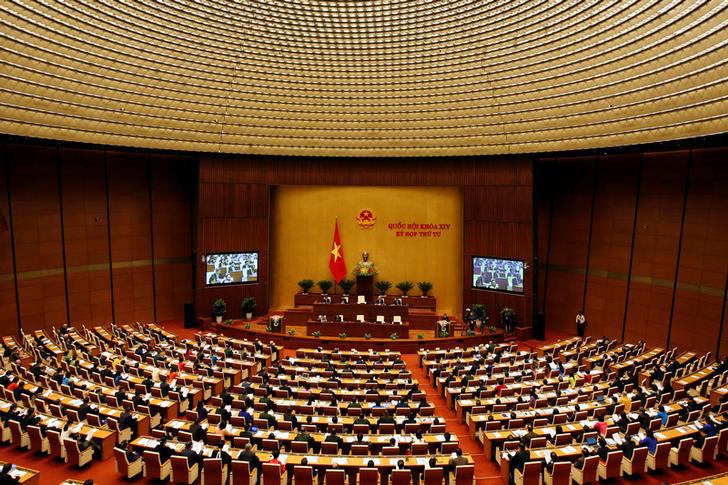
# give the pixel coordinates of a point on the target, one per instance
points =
(337, 266)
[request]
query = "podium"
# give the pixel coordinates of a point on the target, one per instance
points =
(365, 287)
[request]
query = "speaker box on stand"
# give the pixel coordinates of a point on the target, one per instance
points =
(189, 315)
(539, 326)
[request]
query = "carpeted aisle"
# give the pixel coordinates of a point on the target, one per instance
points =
(485, 470)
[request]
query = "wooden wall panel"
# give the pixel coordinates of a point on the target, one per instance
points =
(569, 246)
(172, 201)
(656, 246)
(38, 244)
(131, 243)
(8, 303)
(704, 254)
(86, 235)
(611, 243)
(674, 290)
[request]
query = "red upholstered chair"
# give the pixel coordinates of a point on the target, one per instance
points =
(401, 477)
(420, 449)
(390, 450)
(334, 477)
(638, 463)
(242, 474)
(20, 438)
(38, 442)
(272, 474)
(213, 472)
(154, 468)
(182, 472)
(125, 467)
(660, 459)
(359, 449)
(369, 475)
(707, 452)
(560, 474)
(434, 476)
(57, 450)
(612, 468)
(464, 475)
(531, 474)
(74, 454)
(330, 448)
(299, 447)
(680, 456)
(588, 473)
(446, 448)
(303, 475)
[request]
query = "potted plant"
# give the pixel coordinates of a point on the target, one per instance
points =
(342, 335)
(383, 286)
(219, 308)
(291, 331)
(305, 285)
(425, 287)
(444, 334)
(405, 287)
(229, 321)
(248, 326)
(325, 286)
(346, 285)
(316, 333)
(368, 336)
(394, 336)
(479, 314)
(492, 329)
(248, 306)
(420, 336)
(508, 318)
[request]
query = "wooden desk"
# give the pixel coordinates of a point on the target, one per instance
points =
(557, 345)
(694, 378)
(26, 476)
(717, 395)
(351, 310)
(357, 329)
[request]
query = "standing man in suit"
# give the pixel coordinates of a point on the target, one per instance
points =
(580, 323)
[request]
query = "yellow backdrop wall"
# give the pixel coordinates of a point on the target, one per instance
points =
(302, 226)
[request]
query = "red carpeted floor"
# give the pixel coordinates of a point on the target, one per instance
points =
(104, 473)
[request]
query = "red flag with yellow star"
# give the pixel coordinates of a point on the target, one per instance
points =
(337, 266)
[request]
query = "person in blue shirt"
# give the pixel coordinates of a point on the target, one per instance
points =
(662, 415)
(708, 429)
(213, 358)
(650, 441)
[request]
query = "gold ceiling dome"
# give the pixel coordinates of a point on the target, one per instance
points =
(364, 78)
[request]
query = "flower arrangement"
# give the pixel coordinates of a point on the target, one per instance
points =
(444, 333)
(394, 336)
(316, 333)
(342, 335)
(420, 336)
(368, 336)
(492, 329)
(291, 331)
(248, 326)
(229, 321)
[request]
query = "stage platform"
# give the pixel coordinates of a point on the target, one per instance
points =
(299, 339)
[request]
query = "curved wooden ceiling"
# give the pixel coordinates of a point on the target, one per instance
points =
(364, 78)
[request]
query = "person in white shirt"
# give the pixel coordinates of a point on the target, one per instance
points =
(580, 323)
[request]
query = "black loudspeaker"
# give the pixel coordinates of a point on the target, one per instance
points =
(189, 315)
(539, 326)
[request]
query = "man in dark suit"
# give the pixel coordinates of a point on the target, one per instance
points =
(458, 460)
(164, 451)
(603, 450)
(249, 455)
(627, 447)
(191, 455)
(520, 459)
(334, 438)
(223, 455)
(120, 396)
(164, 386)
(126, 420)
(198, 432)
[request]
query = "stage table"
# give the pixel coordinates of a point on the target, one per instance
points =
(357, 329)
(369, 310)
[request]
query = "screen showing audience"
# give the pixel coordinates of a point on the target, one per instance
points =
(231, 268)
(498, 274)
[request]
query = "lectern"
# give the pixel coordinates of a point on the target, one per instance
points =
(365, 287)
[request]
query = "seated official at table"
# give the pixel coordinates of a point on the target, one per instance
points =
(191, 455)
(322, 318)
(381, 300)
(517, 462)
(398, 301)
(5, 477)
(345, 299)
(340, 318)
